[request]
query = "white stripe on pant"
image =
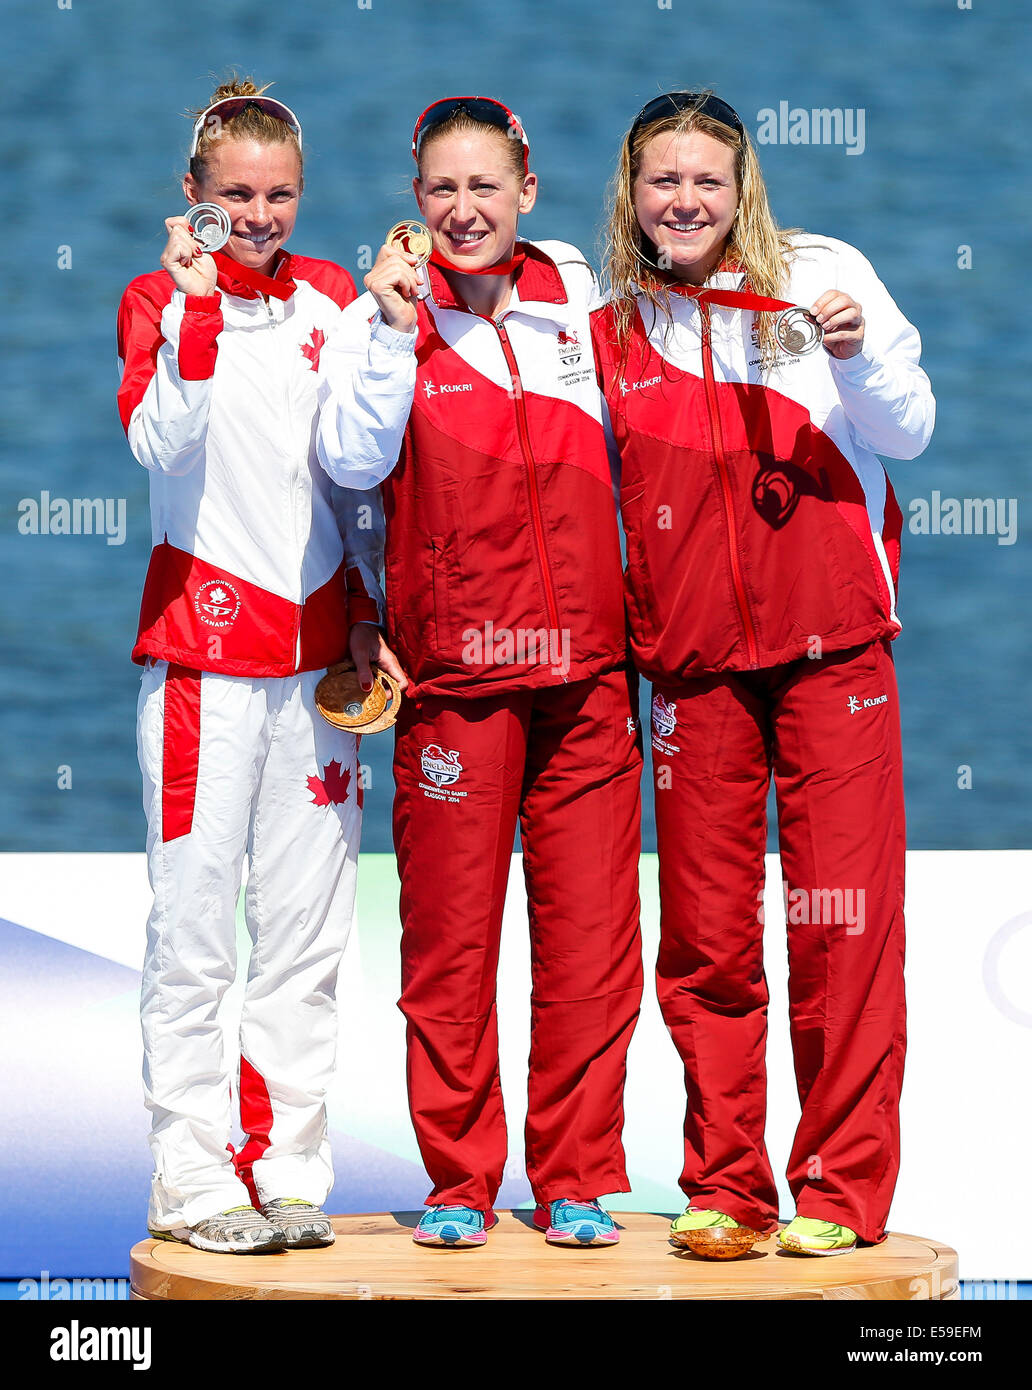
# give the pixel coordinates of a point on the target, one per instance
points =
(261, 741)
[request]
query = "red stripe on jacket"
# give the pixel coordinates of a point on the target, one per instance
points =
(139, 338)
(202, 615)
(362, 608)
(198, 336)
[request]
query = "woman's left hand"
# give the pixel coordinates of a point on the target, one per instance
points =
(367, 645)
(843, 323)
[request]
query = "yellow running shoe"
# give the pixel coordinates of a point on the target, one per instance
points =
(805, 1235)
(698, 1219)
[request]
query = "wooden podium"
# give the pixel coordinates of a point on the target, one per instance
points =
(374, 1258)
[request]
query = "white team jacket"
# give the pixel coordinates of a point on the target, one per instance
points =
(219, 400)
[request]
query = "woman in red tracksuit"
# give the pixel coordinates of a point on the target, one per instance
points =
(763, 549)
(504, 605)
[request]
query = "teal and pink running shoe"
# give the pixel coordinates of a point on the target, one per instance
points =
(569, 1221)
(454, 1226)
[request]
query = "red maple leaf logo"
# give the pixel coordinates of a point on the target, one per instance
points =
(312, 349)
(332, 788)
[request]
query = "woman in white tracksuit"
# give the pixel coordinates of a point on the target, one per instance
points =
(244, 606)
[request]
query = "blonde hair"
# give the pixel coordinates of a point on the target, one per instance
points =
(755, 244)
(252, 123)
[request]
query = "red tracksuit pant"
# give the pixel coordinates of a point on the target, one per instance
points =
(567, 761)
(829, 730)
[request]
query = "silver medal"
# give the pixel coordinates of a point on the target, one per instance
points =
(210, 224)
(797, 331)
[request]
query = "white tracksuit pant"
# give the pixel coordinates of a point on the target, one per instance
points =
(233, 765)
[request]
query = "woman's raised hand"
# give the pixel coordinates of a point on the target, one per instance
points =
(843, 323)
(394, 284)
(193, 270)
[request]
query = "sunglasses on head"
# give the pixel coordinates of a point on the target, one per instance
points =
(484, 109)
(228, 107)
(673, 103)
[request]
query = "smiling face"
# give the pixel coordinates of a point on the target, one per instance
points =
(685, 198)
(259, 186)
(470, 196)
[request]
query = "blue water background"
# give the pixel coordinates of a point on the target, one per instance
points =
(93, 146)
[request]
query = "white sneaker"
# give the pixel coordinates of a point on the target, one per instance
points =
(302, 1224)
(238, 1231)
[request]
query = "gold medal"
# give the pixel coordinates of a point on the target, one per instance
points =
(797, 331)
(342, 702)
(411, 237)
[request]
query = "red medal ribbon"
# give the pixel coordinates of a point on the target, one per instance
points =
(746, 299)
(731, 299)
(499, 268)
(232, 273)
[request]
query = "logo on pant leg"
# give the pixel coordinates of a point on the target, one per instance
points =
(664, 716)
(664, 722)
(442, 770)
(333, 787)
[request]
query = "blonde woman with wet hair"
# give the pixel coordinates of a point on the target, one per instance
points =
(752, 376)
(244, 606)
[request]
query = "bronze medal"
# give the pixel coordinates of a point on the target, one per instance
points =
(797, 331)
(342, 702)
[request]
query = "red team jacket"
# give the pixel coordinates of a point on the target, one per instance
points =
(500, 514)
(247, 574)
(758, 516)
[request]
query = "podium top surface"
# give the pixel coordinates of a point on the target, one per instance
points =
(374, 1257)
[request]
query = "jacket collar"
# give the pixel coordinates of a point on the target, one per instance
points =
(537, 284)
(240, 280)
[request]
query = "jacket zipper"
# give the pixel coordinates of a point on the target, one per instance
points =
(293, 512)
(532, 479)
(720, 458)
